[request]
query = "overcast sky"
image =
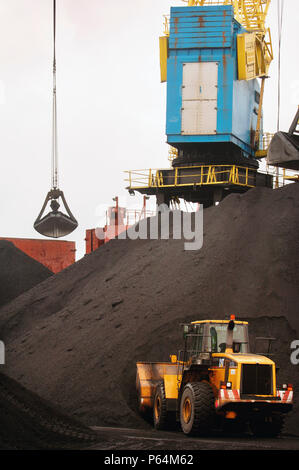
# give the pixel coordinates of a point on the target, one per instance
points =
(111, 104)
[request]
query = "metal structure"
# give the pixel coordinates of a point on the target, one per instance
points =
(56, 255)
(55, 224)
(118, 220)
(196, 182)
(255, 46)
(250, 13)
(215, 380)
(211, 56)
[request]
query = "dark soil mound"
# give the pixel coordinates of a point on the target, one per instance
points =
(18, 272)
(28, 422)
(75, 338)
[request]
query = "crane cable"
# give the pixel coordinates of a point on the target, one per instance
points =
(280, 5)
(280, 22)
(54, 111)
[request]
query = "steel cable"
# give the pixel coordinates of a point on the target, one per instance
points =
(280, 23)
(54, 110)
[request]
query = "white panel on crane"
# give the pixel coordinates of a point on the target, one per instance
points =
(199, 98)
(199, 117)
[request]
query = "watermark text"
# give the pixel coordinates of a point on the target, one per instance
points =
(167, 224)
(2, 353)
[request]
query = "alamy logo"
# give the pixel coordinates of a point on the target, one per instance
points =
(167, 224)
(2, 353)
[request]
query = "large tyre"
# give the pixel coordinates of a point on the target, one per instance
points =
(197, 408)
(267, 426)
(160, 415)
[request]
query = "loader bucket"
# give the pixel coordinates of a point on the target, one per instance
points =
(148, 375)
(283, 151)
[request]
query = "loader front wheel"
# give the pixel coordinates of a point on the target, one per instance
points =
(160, 410)
(197, 409)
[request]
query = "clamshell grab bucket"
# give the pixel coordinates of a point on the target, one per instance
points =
(55, 224)
(284, 151)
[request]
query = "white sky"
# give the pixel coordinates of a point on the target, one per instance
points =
(111, 104)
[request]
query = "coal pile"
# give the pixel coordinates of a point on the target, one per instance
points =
(74, 339)
(30, 423)
(18, 272)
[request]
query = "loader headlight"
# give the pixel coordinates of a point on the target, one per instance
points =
(226, 385)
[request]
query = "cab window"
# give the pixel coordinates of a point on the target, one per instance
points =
(197, 338)
(217, 335)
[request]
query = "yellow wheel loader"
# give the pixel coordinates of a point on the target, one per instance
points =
(214, 381)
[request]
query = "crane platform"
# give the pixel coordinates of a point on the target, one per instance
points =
(205, 184)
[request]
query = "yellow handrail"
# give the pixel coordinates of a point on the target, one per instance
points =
(203, 175)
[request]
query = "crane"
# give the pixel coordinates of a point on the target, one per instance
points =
(212, 55)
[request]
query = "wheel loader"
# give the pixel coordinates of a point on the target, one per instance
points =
(214, 382)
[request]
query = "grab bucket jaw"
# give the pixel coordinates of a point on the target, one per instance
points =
(284, 151)
(55, 224)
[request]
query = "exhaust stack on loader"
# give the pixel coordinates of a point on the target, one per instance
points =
(229, 336)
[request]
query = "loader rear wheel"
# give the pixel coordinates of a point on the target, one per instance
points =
(197, 409)
(160, 414)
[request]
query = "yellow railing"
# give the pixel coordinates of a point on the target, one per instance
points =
(201, 175)
(205, 175)
(172, 153)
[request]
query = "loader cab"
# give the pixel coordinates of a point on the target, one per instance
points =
(205, 337)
